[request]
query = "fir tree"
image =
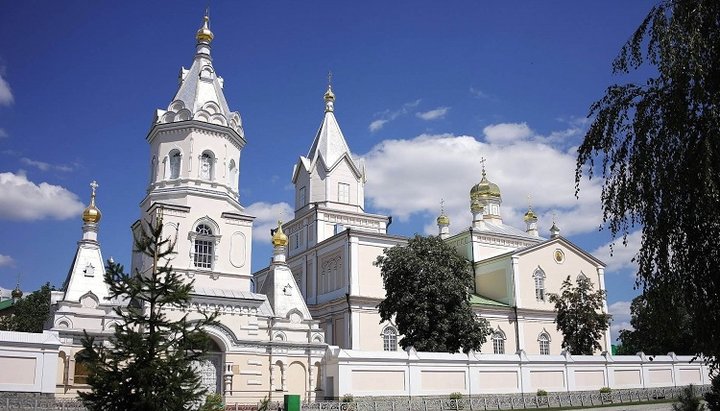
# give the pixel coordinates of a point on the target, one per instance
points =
(148, 362)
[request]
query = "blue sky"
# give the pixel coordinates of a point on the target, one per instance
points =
(424, 89)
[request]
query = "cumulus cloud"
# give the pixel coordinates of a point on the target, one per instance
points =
(6, 96)
(618, 256)
(430, 167)
(504, 133)
(6, 260)
(621, 318)
(390, 115)
(266, 217)
(435, 114)
(23, 200)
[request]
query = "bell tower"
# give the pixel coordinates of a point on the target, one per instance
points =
(195, 147)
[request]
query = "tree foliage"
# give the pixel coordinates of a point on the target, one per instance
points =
(712, 397)
(427, 296)
(29, 313)
(660, 323)
(658, 148)
(579, 316)
(148, 362)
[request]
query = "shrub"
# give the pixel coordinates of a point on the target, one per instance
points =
(456, 396)
(213, 402)
(605, 390)
(713, 396)
(348, 398)
(688, 401)
(541, 393)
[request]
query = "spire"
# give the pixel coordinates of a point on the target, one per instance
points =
(443, 222)
(531, 219)
(554, 230)
(329, 142)
(200, 95)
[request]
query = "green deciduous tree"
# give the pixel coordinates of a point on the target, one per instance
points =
(148, 363)
(427, 295)
(657, 145)
(579, 317)
(29, 313)
(661, 324)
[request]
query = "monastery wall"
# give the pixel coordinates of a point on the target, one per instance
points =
(28, 361)
(415, 373)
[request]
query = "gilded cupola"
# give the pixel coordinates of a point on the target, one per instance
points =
(92, 214)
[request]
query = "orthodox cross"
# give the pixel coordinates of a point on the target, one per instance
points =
(529, 199)
(482, 163)
(442, 206)
(329, 78)
(93, 186)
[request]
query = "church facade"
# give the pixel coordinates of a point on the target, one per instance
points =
(308, 324)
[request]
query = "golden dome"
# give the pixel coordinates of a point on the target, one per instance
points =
(92, 214)
(443, 220)
(530, 215)
(485, 188)
(204, 34)
(16, 293)
(279, 239)
(329, 95)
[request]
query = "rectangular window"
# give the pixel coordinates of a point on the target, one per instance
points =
(302, 199)
(343, 193)
(544, 347)
(498, 345)
(203, 254)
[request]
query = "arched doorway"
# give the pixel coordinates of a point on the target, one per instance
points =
(296, 379)
(210, 368)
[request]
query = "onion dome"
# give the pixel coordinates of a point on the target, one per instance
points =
(92, 214)
(279, 239)
(443, 219)
(530, 215)
(16, 293)
(485, 188)
(329, 95)
(204, 35)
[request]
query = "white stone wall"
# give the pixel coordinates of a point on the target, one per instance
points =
(28, 361)
(364, 373)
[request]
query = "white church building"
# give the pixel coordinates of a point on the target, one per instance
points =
(308, 324)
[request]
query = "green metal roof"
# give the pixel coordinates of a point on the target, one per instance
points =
(476, 299)
(6, 304)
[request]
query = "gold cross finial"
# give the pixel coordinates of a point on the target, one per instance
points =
(529, 200)
(17, 284)
(329, 78)
(482, 163)
(94, 185)
(442, 206)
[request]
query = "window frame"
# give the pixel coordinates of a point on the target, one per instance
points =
(539, 280)
(390, 338)
(544, 343)
(343, 193)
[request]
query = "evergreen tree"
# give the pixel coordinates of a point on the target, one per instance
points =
(148, 362)
(656, 145)
(579, 317)
(29, 313)
(427, 296)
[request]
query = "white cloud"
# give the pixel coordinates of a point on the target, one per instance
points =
(503, 133)
(6, 96)
(6, 260)
(622, 255)
(21, 199)
(435, 114)
(430, 167)
(377, 125)
(3, 133)
(266, 218)
(478, 93)
(390, 115)
(621, 317)
(43, 166)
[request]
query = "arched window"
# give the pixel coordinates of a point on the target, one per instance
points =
(207, 161)
(203, 246)
(80, 372)
(544, 343)
(389, 336)
(153, 169)
(539, 277)
(498, 340)
(175, 157)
